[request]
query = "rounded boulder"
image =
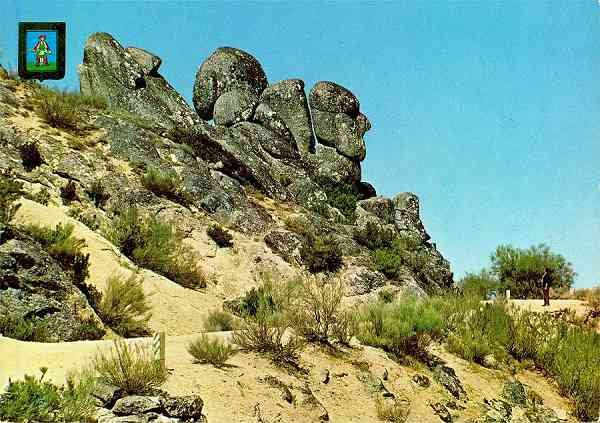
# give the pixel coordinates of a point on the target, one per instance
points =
(330, 97)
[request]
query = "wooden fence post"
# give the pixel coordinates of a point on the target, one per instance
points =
(158, 347)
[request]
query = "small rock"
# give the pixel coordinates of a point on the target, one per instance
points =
(446, 376)
(385, 374)
(184, 407)
(106, 394)
(421, 380)
(136, 404)
(441, 411)
(490, 362)
(324, 377)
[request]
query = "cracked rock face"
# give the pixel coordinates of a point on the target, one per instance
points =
(129, 79)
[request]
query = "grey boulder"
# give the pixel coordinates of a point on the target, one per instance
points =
(330, 97)
(236, 105)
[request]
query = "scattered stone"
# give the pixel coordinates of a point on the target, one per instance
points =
(490, 362)
(185, 407)
(286, 244)
(446, 376)
(385, 374)
(272, 381)
(421, 380)
(497, 411)
(441, 411)
(513, 391)
(106, 394)
(324, 377)
(136, 404)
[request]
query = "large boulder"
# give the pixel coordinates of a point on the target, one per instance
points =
(340, 131)
(288, 99)
(330, 97)
(381, 207)
(225, 69)
(236, 105)
(407, 219)
(268, 118)
(360, 280)
(35, 290)
(331, 166)
(129, 79)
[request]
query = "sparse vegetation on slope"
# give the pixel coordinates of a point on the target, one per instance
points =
(213, 351)
(221, 237)
(321, 254)
(131, 368)
(219, 321)
(155, 245)
(124, 306)
(165, 183)
(30, 156)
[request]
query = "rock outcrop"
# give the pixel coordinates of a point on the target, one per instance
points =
(128, 78)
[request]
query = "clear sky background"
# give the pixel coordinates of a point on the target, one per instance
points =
(489, 111)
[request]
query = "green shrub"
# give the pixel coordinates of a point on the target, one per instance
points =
(31, 399)
(42, 196)
(165, 183)
(402, 252)
(478, 283)
(521, 270)
(386, 296)
(69, 192)
(405, 327)
(124, 306)
(30, 156)
(16, 327)
(78, 403)
(321, 254)
(219, 321)
(316, 310)
(98, 194)
(131, 368)
(342, 197)
(372, 237)
(300, 225)
(214, 351)
(221, 237)
(60, 108)
(254, 298)
(10, 190)
(155, 245)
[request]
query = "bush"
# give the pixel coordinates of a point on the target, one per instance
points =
(478, 284)
(155, 245)
(97, 193)
(131, 368)
(264, 330)
(34, 399)
(316, 313)
(165, 183)
(386, 296)
(16, 327)
(124, 306)
(392, 410)
(60, 108)
(300, 225)
(342, 197)
(219, 321)
(321, 254)
(69, 192)
(10, 191)
(215, 352)
(221, 237)
(42, 196)
(521, 270)
(30, 156)
(405, 327)
(403, 252)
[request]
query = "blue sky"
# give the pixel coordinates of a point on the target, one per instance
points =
(489, 111)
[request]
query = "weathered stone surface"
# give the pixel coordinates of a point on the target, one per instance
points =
(286, 244)
(149, 63)
(361, 280)
(407, 219)
(236, 105)
(363, 124)
(441, 411)
(329, 165)
(340, 131)
(136, 404)
(446, 376)
(288, 99)
(269, 118)
(112, 72)
(276, 147)
(381, 207)
(106, 394)
(35, 289)
(365, 190)
(184, 407)
(226, 68)
(331, 97)
(421, 380)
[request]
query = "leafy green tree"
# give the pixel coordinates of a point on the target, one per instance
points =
(478, 283)
(521, 270)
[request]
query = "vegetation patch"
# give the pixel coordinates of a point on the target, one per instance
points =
(97, 193)
(30, 156)
(403, 252)
(10, 190)
(321, 254)
(219, 321)
(124, 306)
(131, 368)
(69, 192)
(220, 236)
(16, 327)
(155, 245)
(165, 183)
(212, 351)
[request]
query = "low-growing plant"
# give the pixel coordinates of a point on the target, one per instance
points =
(124, 306)
(386, 296)
(30, 156)
(97, 193)
(130, 367)
(60, 108)
(219, 321)
(403, 328)
(213, 351)
(31, 399)
(321, 254)
(77, 402)
(17, 327)
(69, 192)
(392, 410)
(42, 196)
(220, 236)
(155, 245)
(342, 197)
(402, 252)
(10, 190)
(165, 183)
(373, 236)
